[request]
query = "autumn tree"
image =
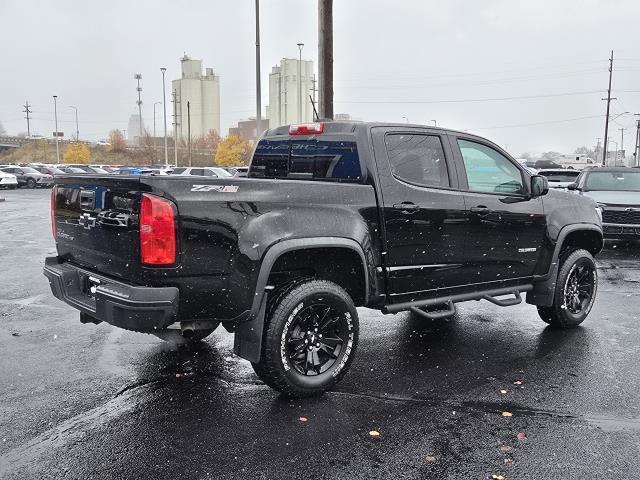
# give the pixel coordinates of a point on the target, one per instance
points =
(77, 153)
(233, 151)
(117, 141)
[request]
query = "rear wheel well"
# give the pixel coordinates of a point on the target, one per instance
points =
(339, 265)
(590, 240)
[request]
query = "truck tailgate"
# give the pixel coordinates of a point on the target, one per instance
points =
(96, 223)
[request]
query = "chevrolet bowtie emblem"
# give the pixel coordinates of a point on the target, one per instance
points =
(87, 221)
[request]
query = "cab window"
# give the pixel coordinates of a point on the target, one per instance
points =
(417, 159)
(488, 170)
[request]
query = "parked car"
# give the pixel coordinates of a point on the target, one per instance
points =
(30, 177)
(546, 164)
(68, 170)
(8, 180)
(49, 170)
(106, 168)
(202, 172)
(559, 177)
(133, 170)
(242, 171)
(333, 216)
(86, 168)
(616, 190)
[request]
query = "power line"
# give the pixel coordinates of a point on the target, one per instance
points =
(473, 100)
(538, 123)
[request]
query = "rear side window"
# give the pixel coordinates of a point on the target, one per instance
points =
(178, 171)
(197, 171)
(418, 159)
(306, 159)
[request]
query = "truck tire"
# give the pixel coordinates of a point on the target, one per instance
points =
(575, 292)
(174, 335)
(310, 338)
(31, 183)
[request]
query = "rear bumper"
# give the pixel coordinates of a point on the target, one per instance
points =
(142, 309)
(620, 230)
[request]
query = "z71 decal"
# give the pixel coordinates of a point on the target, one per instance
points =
(215, 188)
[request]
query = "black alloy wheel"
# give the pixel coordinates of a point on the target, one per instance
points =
(315, 339)
(579, 287)
(575, 290)
(310, 338)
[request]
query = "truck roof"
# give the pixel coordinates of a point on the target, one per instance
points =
(351, 126)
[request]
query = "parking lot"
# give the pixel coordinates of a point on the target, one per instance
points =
(491, 392)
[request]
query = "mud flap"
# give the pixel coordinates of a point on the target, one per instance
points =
(247, 341)
(544, 291)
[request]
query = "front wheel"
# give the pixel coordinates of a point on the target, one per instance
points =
(575, 291)
(31, 183)
(310, 339)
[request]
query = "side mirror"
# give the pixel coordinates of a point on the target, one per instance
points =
(573, 186)
(539, 186)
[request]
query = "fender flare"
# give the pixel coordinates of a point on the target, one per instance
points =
(248, 334)
(544, 285)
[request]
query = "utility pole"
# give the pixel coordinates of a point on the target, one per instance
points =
(637, 149)
(622, 141)
(164, 106)
(314, 89)
(258, 87)
(608, 99)
(175, 126)
(27, 110)
(155, 153)
(325, 57)
(138, 77)
(189, 128)
(77, 128)
(300, 45)
(55, 111)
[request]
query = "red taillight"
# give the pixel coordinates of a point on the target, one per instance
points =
(157, 231)
(306, 129)
(53, 212)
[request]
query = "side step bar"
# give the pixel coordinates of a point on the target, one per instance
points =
(451, 300)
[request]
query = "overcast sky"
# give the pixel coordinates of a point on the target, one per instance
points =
(419, 59)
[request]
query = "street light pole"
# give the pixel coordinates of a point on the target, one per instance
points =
(258, 87)
(155, 155)
(77, 129)
(164, 107)
(138, 77)
(300, 46)
(622, 140)
(55, 111)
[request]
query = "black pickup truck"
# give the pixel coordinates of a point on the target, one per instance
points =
(332, 216)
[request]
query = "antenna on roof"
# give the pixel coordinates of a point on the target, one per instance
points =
(316, 118)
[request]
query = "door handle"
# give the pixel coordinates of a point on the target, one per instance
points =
(407, 208)
(480, 210)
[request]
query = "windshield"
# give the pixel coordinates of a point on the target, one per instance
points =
(29, 170)
(628, 181)
(99, 170)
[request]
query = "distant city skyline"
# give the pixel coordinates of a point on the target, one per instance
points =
(528, 75)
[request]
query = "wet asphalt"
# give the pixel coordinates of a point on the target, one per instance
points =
(85, 401)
